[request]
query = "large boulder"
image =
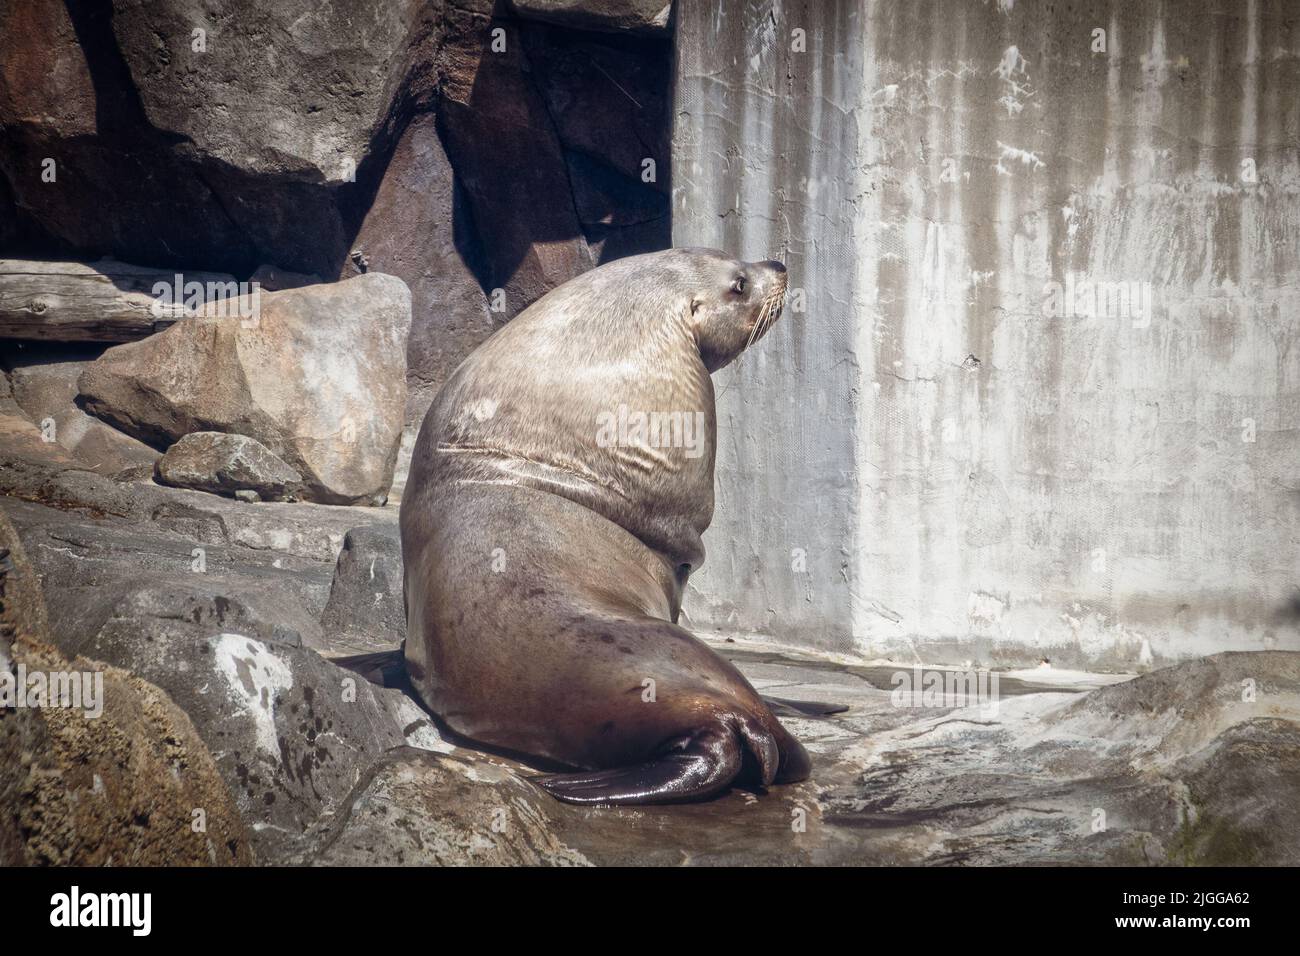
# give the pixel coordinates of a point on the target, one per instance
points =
(132, 785)
(291, 732)
(417, 808)
(318, 378)
(416, 230)
(251, 119)
(608, 97)
(1194, 764)
(70, 111)
(227, 465)
(174, 569)
(311, 111)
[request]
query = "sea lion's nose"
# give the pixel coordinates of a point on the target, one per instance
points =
(778, 267)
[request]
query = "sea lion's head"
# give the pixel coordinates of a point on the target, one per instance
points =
(600, 392)
(732, 304)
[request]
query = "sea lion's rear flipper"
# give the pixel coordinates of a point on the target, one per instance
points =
(784, 707)
(688, 768)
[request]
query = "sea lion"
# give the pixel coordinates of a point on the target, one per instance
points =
(548, 529)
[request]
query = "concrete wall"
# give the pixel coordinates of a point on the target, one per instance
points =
(944, 456)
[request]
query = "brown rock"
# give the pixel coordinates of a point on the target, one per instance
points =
(503, 145)
(418, 808)
(318, 378)
(273, 278)
(620, 216)
(312, 113)
(67, 110)
(411, 232)
(230, 157)
(609, 98)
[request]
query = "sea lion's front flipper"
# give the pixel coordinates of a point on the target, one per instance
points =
(784, 707)
(689, 768)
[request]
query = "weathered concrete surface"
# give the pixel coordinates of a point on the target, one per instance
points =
(967, 468)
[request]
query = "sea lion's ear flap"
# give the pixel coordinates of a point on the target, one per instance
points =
(696, 302)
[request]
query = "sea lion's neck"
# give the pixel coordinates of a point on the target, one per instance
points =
(613, 412)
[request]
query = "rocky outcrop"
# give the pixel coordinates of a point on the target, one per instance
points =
(378, 142)
(229, 607)
(201, 73)
(248, 119)
(223, 634)
(416, 808)
(416, 229)
(504, 148)
(318, 378)
(291, 732)
(366, 609)
(29, 455)
(619, 218)
(1194, 764)
(227, 465)
(606, 97)
(291, 169)
(130, 785)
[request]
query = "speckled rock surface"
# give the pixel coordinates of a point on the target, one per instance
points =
(289, 731)
(366, 609)
(132, 784)
(227, 464)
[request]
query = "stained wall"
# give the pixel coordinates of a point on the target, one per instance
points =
(1041, 395)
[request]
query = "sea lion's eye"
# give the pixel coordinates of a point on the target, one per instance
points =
(738, 286)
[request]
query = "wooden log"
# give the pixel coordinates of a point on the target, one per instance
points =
(104, 301)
